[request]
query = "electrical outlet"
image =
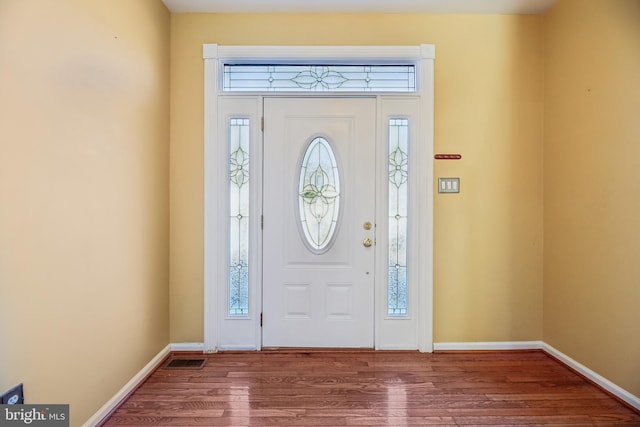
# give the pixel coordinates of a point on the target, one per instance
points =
(13, 396)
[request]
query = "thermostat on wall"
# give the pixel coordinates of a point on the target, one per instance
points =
(13, 396)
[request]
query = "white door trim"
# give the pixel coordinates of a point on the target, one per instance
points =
(215, 175)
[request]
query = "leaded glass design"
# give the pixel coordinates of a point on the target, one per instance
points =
(238, 217)
(319, 194)
(319, 78)
(397, 295)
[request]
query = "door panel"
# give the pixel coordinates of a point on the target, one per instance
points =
(318, 298)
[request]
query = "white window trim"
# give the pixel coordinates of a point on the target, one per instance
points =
(319, 54)
(215, 184)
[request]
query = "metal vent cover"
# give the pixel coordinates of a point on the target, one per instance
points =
(185, 364)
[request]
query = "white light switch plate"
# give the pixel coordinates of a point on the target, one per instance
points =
(448, 185)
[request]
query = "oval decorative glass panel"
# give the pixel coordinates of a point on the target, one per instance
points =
(319, 195)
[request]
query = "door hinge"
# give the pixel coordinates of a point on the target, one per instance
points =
(262, 123)
(261, 320)
(261, 222)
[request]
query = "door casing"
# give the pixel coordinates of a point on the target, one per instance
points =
(417, 105)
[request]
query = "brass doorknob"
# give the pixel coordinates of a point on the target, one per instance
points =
(367, 242)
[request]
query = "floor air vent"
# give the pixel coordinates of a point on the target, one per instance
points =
(185, 364)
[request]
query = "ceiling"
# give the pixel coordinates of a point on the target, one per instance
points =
(360, 6)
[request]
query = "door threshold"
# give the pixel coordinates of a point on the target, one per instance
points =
(318, 349)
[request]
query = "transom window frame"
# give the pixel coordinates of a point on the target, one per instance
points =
(215, 246)
(314, 77)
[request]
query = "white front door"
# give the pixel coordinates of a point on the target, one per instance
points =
(318, 236)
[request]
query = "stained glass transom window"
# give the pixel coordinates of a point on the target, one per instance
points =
(238, 302)
(319, 78)
(319, 194)
(397, 291)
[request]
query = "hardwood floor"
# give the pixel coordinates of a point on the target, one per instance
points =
(367, 388)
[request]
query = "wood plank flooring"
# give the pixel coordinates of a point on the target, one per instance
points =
(368, 388)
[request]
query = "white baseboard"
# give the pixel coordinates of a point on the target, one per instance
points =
(187, 346)
(612, 388)
(479, 346)
(128, 388)
(598, 379)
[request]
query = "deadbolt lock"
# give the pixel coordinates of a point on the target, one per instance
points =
(367, 225)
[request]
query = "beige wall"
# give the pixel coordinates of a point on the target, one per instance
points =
(592, 186)
(84, 208)
(488, 107)
(84, 147)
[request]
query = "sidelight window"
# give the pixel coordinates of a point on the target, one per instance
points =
(238, 286)
(398, 163)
